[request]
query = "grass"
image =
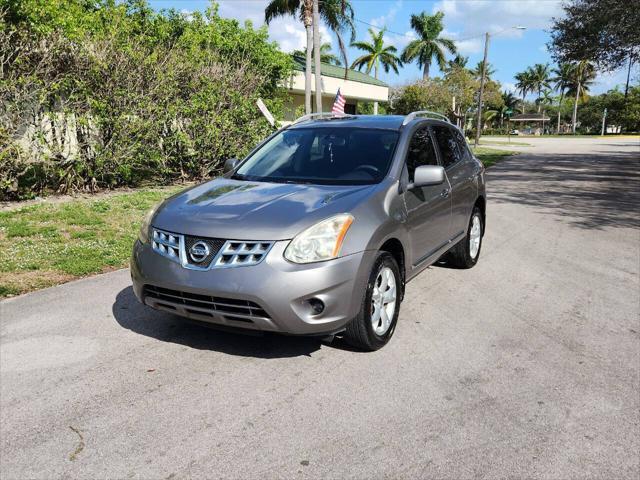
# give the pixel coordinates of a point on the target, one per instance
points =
(504, 144)
(491, 156)
(45, 244)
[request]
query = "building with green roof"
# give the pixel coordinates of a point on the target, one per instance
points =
(356, 87)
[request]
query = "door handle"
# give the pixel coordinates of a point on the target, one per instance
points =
(445, 193)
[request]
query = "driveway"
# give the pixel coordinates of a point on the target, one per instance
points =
(526, 366)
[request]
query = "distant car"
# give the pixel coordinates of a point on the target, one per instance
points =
(515, 132)
(317, 230)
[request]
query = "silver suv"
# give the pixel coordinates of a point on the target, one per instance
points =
(318, 229)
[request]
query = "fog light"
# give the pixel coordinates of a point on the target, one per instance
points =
(317, 306)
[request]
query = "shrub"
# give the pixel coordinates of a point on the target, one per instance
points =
(128, 95)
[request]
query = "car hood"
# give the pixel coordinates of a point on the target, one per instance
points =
(243, 210)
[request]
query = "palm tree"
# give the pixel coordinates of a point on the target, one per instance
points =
(377, 54)
(459, 61)
(540, 74)
(510, 102)
(326, 55)
(546, 98)
(336, 14)
(583, 74)
(429, 45)
(524, 84)
(477, 72)
(562, 78)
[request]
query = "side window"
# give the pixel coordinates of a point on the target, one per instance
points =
(421, 151)
(449, 148)
(463, 147)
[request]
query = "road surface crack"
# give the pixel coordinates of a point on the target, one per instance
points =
(80, 446)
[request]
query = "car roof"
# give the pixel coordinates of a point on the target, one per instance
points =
(386, 122)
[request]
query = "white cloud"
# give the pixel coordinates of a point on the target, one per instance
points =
(509, 87)
(479, 16)
(465, 46)
(387, 18)
(400, 41)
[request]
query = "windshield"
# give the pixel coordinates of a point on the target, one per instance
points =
(338, 156)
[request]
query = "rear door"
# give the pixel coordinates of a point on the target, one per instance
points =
(460, 169)
(428, 208)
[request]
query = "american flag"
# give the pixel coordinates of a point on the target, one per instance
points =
(338, 104)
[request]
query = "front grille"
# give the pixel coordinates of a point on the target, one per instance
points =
(207, 305)
(221, 253)
(214, 244)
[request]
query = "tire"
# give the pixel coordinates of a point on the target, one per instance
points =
(461, 256)
(360, 332)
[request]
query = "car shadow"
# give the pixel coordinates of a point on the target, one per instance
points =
(141, 319)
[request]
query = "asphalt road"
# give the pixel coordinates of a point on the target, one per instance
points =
(525, 366)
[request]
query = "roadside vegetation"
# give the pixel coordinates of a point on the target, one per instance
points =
(98, 94)
(48, 243)
(491, 156)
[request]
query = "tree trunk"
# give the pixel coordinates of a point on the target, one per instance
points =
(308, 22)
(425, 71)
(626, 87)
(559, 110)
(539, 99)
(524, 94)
(316, 54)
(375, 104)
(575, 110)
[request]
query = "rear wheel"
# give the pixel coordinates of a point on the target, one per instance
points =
(466, 253)
(375, 323)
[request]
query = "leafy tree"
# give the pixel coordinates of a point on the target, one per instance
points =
(127, 95)
(429, 45)
(620, 112)
(605, 32)
(431, 94)
(326, 55)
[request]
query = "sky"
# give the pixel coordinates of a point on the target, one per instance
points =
(510, 50)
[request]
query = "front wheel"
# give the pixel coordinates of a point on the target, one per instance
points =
(375, 323)
(466, 253)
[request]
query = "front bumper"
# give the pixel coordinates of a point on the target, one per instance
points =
(280, 288)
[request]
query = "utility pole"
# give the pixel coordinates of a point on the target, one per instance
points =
(484, 71)
(604, 119)
(316, 54)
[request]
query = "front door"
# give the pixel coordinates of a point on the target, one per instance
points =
(428, 208)
(460, 169)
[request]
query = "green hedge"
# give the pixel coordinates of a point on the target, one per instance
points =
(98, 94)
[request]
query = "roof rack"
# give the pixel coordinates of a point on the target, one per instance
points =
(321, 115)
(413, 115)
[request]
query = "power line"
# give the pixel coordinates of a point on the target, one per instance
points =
(413, 37)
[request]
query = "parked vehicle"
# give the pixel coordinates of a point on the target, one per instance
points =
(318, 230)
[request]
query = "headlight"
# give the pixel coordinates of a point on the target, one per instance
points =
(146, 223)
(320, 242)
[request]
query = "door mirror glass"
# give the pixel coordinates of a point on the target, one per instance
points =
(428, 175)
(230, 164)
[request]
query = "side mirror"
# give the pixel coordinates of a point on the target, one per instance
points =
(427, 175)
(230, 164)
